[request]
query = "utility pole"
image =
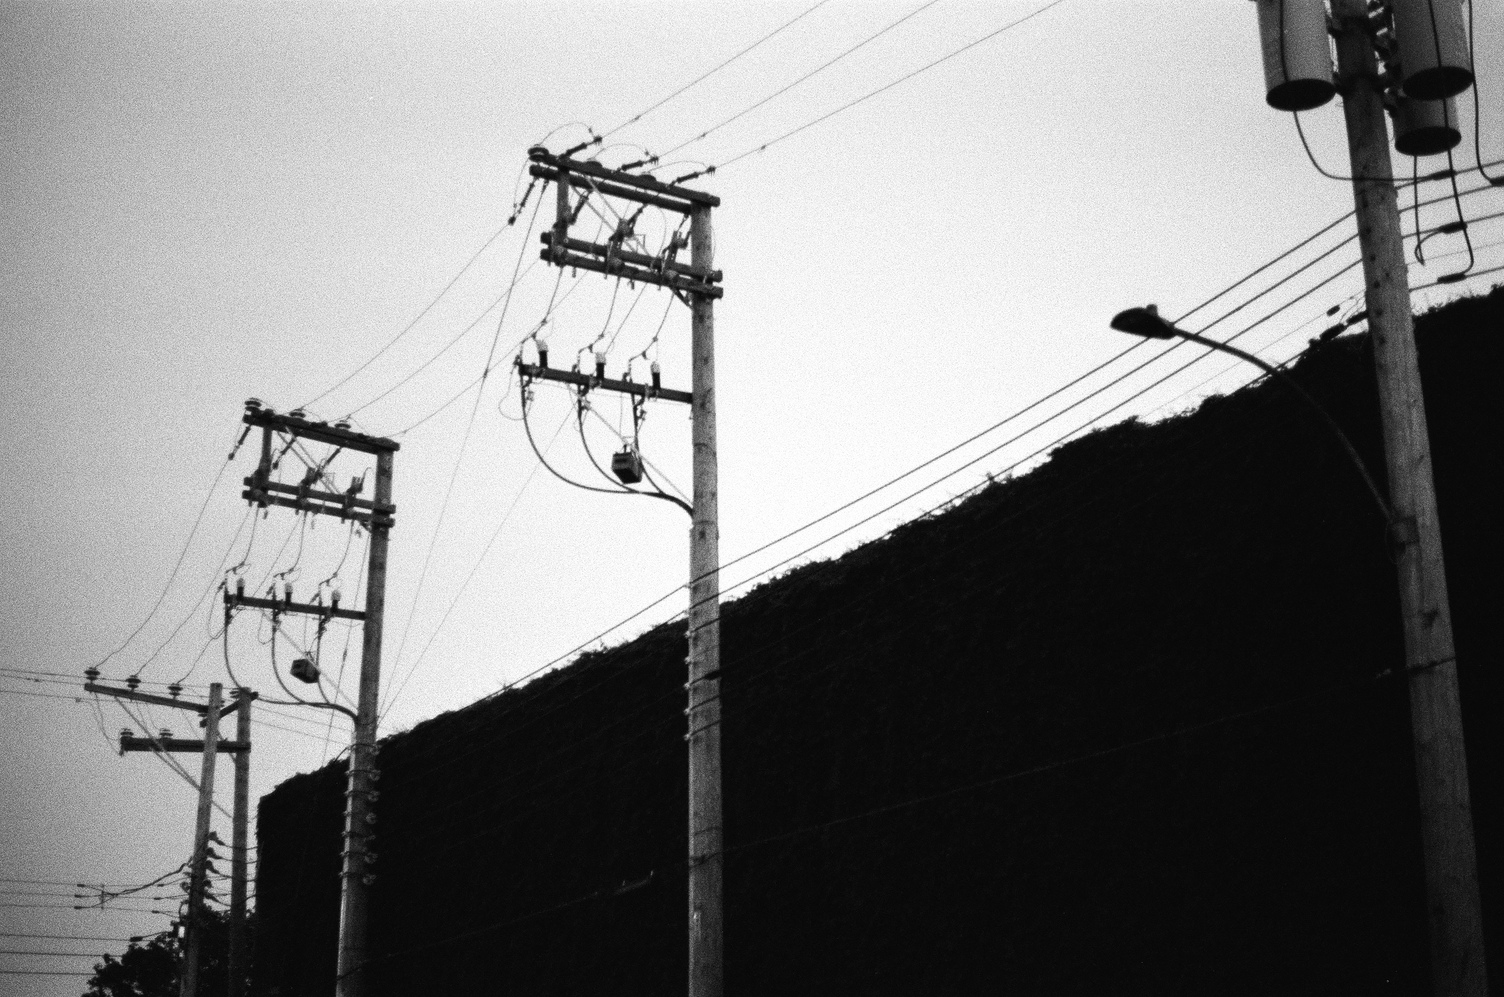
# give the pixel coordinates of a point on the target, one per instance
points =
(356, 876)
(705, 837)
(199, 876)
(377, 515)
(239, 835)
(1452, 899)
(209, 747)
(697, 283)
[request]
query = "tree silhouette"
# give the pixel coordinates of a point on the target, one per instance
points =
(149, 968)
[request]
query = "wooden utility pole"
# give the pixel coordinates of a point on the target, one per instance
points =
(199, 875)
(697, 283)
(211, 745)
(1452, 900)
(239, 839)
(312, 495)
(705, 838)
(357, 874)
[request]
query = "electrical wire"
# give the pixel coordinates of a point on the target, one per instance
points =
(464, 441)
(812, 73)
(344, 657)
(214, 581)
(716, 69)
(505, 518)
(475, 324)
(1262, 268)
(416, 319)
(1198, 308)
(177, 565)
(882, 89)
(1477, 98)
(165, 757)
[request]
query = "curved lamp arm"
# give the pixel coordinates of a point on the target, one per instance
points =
(1147, 322)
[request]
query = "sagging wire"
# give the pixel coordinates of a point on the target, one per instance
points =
(505, 518)
(107, 895)
(465, 439)
(994, 33)
(297, 560)
(339, 678)
(200, 601)
(582, 405)
(570, 124)
(552, 307)
(647, 157)
(527, 394)
(1477, 114)
(1460, 225)
(447, 346)
(716, 69)
(295, 700)
(177, 566)
(630, 309)
(318, 677)
(160, 752)
(814, 72)
(517, 207)
(600, 356)
(267, 577)
(334, 575)
(646, 464)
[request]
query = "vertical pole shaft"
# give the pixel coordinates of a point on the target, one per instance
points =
(705, 856)
(357, 873)
(198, 875)
(1452, 900)
(561, 216)
(238, 842)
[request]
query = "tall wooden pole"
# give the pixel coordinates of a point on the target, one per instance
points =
(198, 876)
(358, 872)
(1452, 900)
(239, 839)
(705, 840)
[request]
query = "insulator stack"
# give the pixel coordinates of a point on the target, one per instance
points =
(1425, 127)
(1297, 55)
(1432, 38)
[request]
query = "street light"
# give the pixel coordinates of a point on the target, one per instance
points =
(1148, 323)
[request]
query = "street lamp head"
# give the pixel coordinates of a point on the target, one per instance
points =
(1143, 322)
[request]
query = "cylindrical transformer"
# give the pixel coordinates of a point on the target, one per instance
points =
(1297, 56)
(1432, 37)
(1425, 127)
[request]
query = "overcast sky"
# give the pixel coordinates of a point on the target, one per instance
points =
(202, 204)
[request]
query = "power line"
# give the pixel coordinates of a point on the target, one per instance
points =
(176, 565)
(213, 581)
(707, 75)
(814, 72)
(416, 318)
(464, 442)
(505, 518)
(885, 87)
(446, 347)
(1025, 432)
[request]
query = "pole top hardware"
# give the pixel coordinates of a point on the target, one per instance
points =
(297, 423)
(581, 167)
